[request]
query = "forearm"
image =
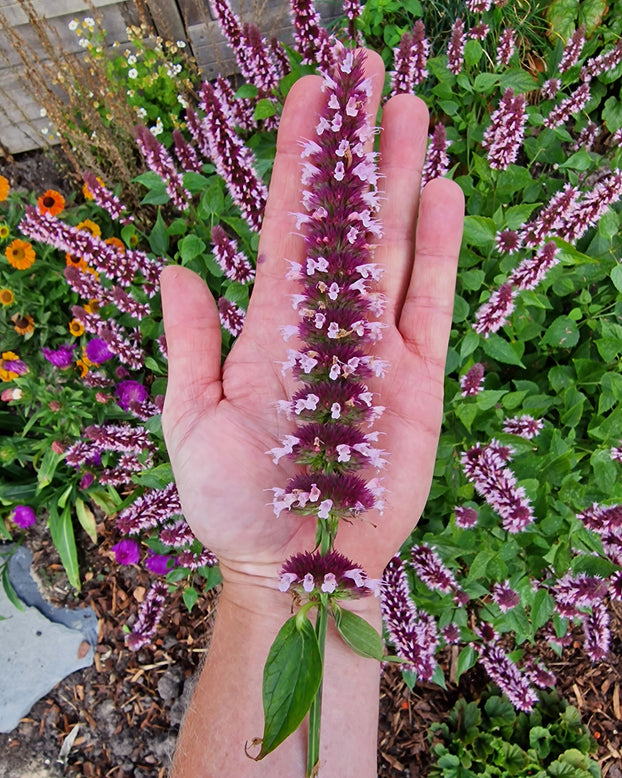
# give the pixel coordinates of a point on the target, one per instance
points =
(226, 711)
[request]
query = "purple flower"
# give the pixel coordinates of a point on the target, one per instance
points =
(455, 49)
(532, 270)
(231, 316)
(570, 105)
(149, 616)
(129, 393)
(550, 88)
(478, 6)
(23, 516)
(160, 161)
(573, 49)
(150, 510)
(472, 382)
(307, 29)
(479, 31)
(485, 467)
(597, 633)
(581, 591)
(466, 517)
(106, 199)
(177, 534)
(603, 62)
(505, 597)
(436, 162)
(432, 571)
(451, 634)
(525, 426)
(352, 11)
(410, 58)
(508, 677)
(494, 313)
(87, 480)
(61, 357)
(185, 153)
(234, 263)
(158, 563)
(127, 552)
(506, 47)
(504, 135)
(311, 573)
(413, 633)
(98, 352)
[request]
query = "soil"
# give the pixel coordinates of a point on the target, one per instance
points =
(129, 706)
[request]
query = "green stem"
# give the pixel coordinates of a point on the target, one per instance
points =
(315, 712)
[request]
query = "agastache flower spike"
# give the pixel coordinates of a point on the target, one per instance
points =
(525, 426)
(471, 383)
(185, 153)
(494, 313)
(504, 135)
(160, 161)
(410, 57)
(149, 616)
(335, 326)
(573, 104)
(506, 47)
(437, 160)
(455, 50)
(507, 676)
(106, 199)
(234, 263)
(573, 50)
(307, 29)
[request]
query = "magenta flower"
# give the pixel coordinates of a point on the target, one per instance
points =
(185, 153)
(451, 634)
(160, 161)
(505, 597)
(509, 241)
(61, 357)
(308, 573)
(335, 327)
(23, 516)
(158, 563)
(508, 677)
(87, 480)
(570, 105)
(479, 31)
(150, 510)
(478, 6)
(410, 58)
(432, 571)
(472, 382)
(308, 30)
(231, 316)
(235, 264)
(98, 352)
(150, 613)
(130, 393)
(177, 535)
(106, 199)
(573, 49)
(532, 270)
(506, 47)
(436, 162)
(572, 593)
(494, 313)
(525, 426)
(466, 517)
(602, 62)
(127, 552)
(413, 633)
(504, 135)
(597, 633)
(455, 49)
(550, 88)
(587, 137)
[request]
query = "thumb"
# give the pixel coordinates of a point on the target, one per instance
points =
(192, 328)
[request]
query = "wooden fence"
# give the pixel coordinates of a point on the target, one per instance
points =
(23, 128)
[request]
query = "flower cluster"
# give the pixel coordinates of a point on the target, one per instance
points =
(308, 573)
(410, 58)
(504, 136)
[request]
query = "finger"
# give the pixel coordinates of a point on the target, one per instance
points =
(280, 240)
(192, 328)
(425, 318)
(402, 151)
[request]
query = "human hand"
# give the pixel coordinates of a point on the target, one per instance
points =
(219, 423)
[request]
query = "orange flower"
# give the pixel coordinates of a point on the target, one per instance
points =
(23, 324)
(82, 367)
(92, 306)
(73, 261)
(76, 328)
(4, 188)
(20, 254)
(117, 243)
(11, 366)
(91, 227)
(6, 297)
(51, 202)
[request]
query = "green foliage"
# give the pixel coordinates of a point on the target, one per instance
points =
(489, 738)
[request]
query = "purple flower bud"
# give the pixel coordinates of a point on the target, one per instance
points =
(150, 613)
(525, 426)
(436, 162)
(505, 597)
(465, 517)
(87, 480)
(472, 382)
(23, 516)
(455, 49)
(127, 552)
(129, 393)
(61, 357)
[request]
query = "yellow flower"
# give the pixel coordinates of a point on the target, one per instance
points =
(23, 324)
(82, 367)
(90, 226)
(133, 240)
(6, 297)
(4, 188)
(5, 231)
(73, 261)
(76, 328)
(92, 306)
(51, 202)
(88, 195)
(20, 254)
(11, 366)
(117, 243)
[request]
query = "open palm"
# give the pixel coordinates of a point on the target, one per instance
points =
(220, 422)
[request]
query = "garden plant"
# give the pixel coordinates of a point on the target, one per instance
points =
(520, 543)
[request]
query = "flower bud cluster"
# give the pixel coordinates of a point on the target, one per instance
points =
(410, 58)
(106, 199)
(455, 49)
(436, 162)
(504, 135)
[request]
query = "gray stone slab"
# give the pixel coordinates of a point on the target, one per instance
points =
(35, 654)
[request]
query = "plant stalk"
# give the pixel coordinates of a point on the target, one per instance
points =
(315, 712)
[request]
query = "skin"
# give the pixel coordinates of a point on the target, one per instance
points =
(219, 422)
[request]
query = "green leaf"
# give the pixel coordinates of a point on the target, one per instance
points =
(61, 530)
(486, 82)
(356, 633)
(156, 196)
(466, 660)
(479, 231)
(472, 52)
(518, 80)
(503, 351)
(150, 179)
(47, 468)
(591, 13)
(517, 215)
(195, 182)
(562, 333)
(542, 608)
(616, 277)
(291, 679)
(246, 91)
(158, 239)
(605, 470)
(264, 109)
(190, 597)
(593, 565)
(157, 477)
(189, 248)
(561, 15)
(612, 114)
(86, 517)
(9, 590)
(580, 160)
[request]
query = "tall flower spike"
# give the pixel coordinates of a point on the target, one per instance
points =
(437, 160)
(149, 617)
(336, 327)
(508, 677)
(235, 163)
(234, 263)
(106, 199)
(494, 313)
(410, 57)
(307, 29)
(160, 161)
(570, 105)
(506, 47)
(573, 49)
(455, 50)
(504, 135)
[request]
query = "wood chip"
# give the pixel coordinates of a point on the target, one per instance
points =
(616, 702)
(578, 695)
